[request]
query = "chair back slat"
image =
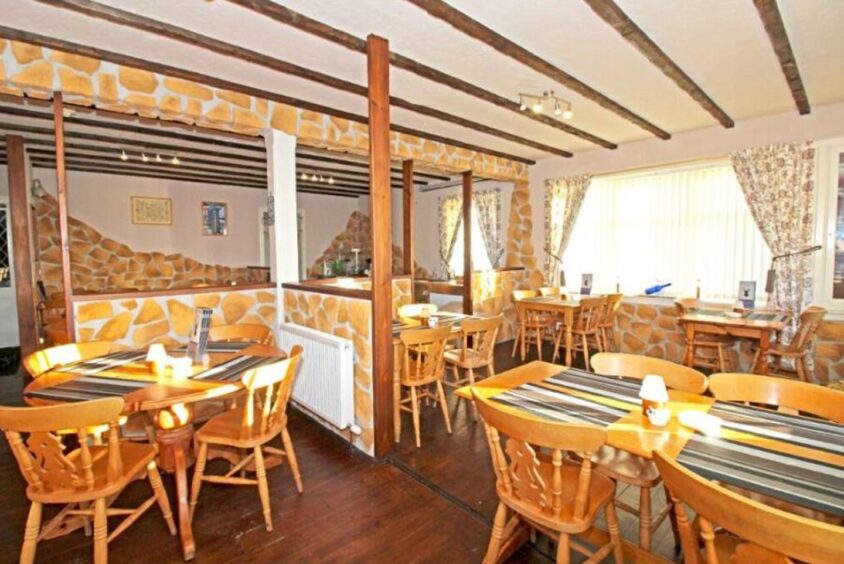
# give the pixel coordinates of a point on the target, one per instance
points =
(768, 534)
(242, 332)
(424, 353)
(676, 376)
(271, 385)
(611, 306)
(528, 478)
(41, 361)
(479, 337)
(41, 455)
(810, 321)
(773, 392)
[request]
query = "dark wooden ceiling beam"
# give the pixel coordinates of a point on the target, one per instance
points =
(208, 43)
(74, 150)
(775, 28)
(475, 29)
(612, 14)
(286, 16)
(214, 82)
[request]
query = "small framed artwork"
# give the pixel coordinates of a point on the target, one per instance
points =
(152, 211)
(747, 293)
(586, 284)
(215, 219)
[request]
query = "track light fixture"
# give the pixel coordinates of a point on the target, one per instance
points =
(537, 104)
(123, 155)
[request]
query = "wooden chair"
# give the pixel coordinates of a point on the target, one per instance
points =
(762, 534)
(550, 291)
(628, 468)
(242, 332)
(85, 480)
(56, 334)
(586, 326)
(607, 323)
(788, 396)
(248, 428)
(718, 349)
(44, 360)
(546, 491)
(423, 363)
(477, 351)
(799, 347)
(533, 325)
(417, 310)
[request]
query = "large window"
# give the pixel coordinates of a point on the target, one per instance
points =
(480, 258)
(679, 226)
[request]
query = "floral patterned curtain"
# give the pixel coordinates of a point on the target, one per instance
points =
(563, 198)
(451, 216)
(778, 184)
(488, 207)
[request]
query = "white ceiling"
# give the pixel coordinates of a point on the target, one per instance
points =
(721, 44)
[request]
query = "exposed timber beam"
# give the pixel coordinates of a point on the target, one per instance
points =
(286, 16)
(473, 28)
(611, 13)
(61, 199)
(407, 222)
(161, 68)
(467, 243)
(164, 29)
(775, 28)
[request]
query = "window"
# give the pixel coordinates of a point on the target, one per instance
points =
(480, 259)
(678, 226)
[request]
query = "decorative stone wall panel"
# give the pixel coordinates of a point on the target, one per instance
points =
(492, 293)
(519, 251)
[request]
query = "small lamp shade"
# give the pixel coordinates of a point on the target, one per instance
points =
(653, 389)
(156, 353)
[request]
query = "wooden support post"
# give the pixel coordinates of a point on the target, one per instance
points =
(61, 197)
(22, 243)
(407, 224)
(467, 242)
(378, 69)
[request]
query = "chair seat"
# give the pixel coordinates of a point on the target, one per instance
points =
(135, 457)
(601, 492)
(625, 467)
(228, 429)
(471, 360)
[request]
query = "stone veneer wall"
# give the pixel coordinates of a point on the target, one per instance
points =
(168, 319)
(519, 248)
(100, 264)
(29, 70)
(654, 330)
(492, 293)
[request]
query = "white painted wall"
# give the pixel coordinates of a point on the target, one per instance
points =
(426, 227)
(325, 218)
(103, 201)
(824, 122)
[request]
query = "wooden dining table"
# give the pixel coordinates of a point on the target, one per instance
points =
(564, 306)
(797, 459)
(758, 325)
(166, 399)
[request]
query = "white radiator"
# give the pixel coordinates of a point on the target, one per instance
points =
(325, 384)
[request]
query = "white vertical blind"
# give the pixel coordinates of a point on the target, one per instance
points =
(677, 226)
(480, 258)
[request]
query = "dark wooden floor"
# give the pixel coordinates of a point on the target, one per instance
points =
(433, 504)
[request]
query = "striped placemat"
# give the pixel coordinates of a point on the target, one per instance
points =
(92, 366)
(89, 388)
(234, 368)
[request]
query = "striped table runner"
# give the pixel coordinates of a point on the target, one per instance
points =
(747, 456)
(233, 369)
(92, 366)
(222, 346)
(89, 388)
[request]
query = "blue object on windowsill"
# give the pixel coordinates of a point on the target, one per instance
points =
(656, 289)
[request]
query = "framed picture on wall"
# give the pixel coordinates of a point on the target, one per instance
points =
(215, 219)
(152, 211)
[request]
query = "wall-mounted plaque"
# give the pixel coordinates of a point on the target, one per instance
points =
(152, 211)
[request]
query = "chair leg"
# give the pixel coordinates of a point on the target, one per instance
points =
(100, 532)
(490, 369)
(539, 343)
(586, 352)
(161, 496)
(444, 406)
(672, 515)
(645, 519)
(471, 375)
(807, 373)
(198, 471)
(522, 341)
(30, 535)
(516, 340)
(414, 404)
(615, 537)
(722, 362)
(563, 549)
(291, 458)
(263, 487)
(496, 540)
(755, 362)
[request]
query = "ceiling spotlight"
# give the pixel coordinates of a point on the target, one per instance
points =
(158, 158)
(522, 104)
(557, 109)
(304, 176)
(124, 156)
(331, 180)
(537, 107)
(313, 178)
(321, 179)
(568, 114)
(175, 160)
(144, 157)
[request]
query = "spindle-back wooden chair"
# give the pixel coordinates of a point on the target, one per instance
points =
(477, 351)
(85, 480)
(242, 332)
(607, 323)
(534, 325)
(248, 428)
(547, 491)
(39, 362)
(586, 327)
(799, 347)
(718, 353)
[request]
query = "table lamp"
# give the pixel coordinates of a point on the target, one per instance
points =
(653, 392)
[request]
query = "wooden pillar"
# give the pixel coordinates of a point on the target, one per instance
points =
(467, 242)
(22, 244)
(61, 197)
(378, 71)
(407, 224)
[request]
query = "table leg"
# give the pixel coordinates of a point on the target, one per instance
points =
(569, 323)
(764, 345)
(174, 453)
